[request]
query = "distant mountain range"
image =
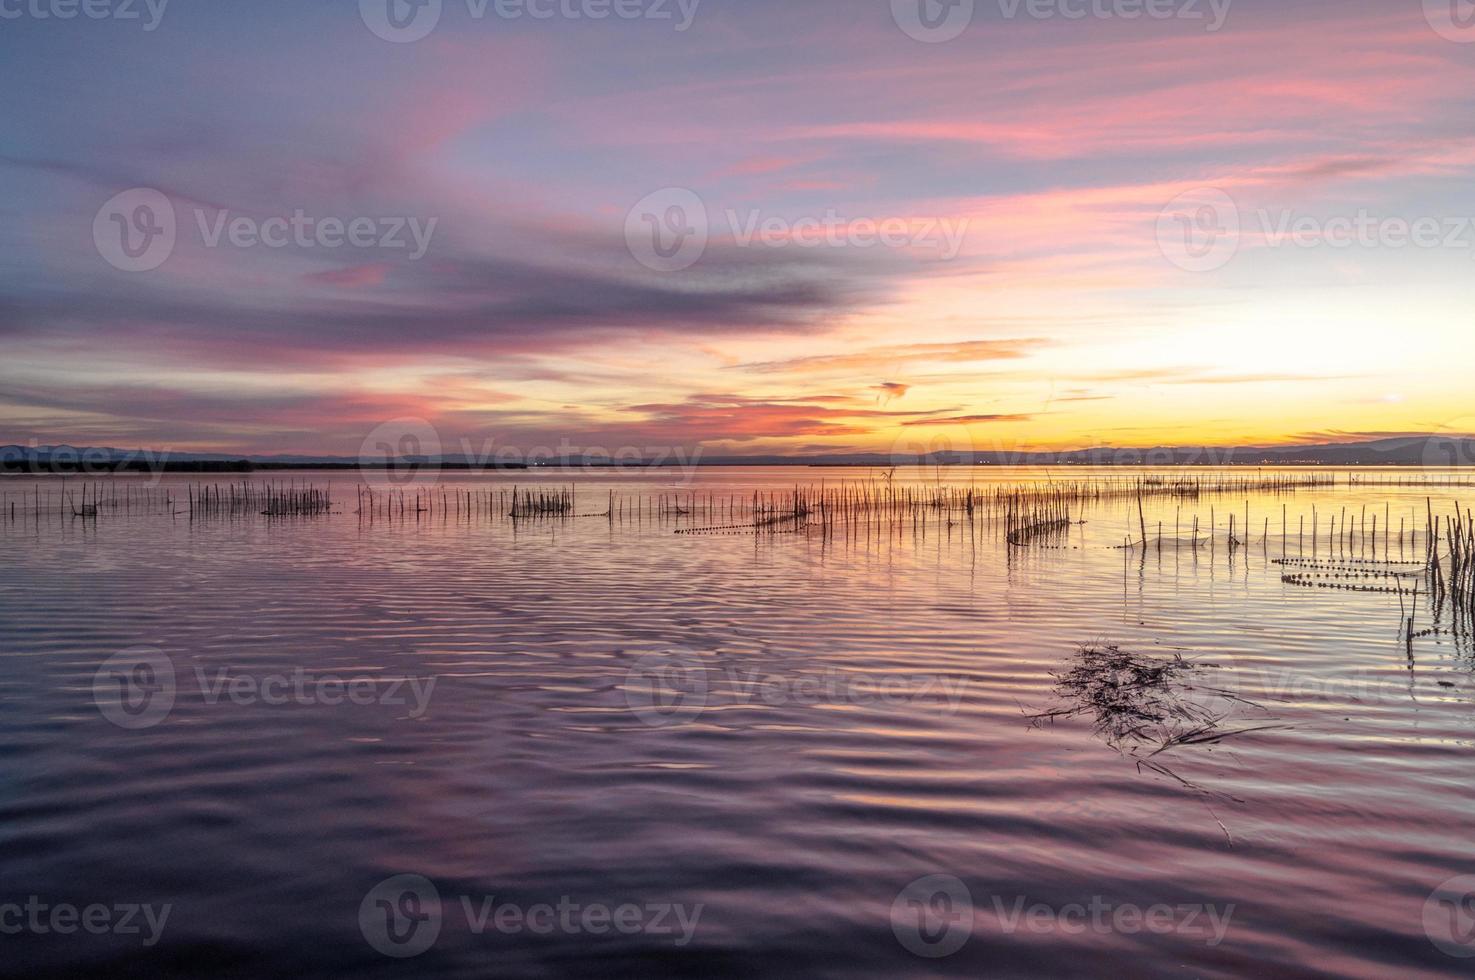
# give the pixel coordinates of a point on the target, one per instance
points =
(1430, 450)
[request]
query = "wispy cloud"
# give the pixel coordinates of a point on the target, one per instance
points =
(969, 419)
(966, 352)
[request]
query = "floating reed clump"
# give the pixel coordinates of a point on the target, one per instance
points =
(1144, 706)
(1139, 701)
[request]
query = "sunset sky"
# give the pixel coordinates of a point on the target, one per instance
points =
(1061, 150)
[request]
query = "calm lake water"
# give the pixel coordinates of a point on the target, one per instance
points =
(585, 746)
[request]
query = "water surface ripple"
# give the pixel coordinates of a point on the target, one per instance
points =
(786, 730)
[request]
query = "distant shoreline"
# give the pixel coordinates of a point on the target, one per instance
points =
(226, 468)
(1424, 451)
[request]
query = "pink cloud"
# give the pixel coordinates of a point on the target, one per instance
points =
(358, 275)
